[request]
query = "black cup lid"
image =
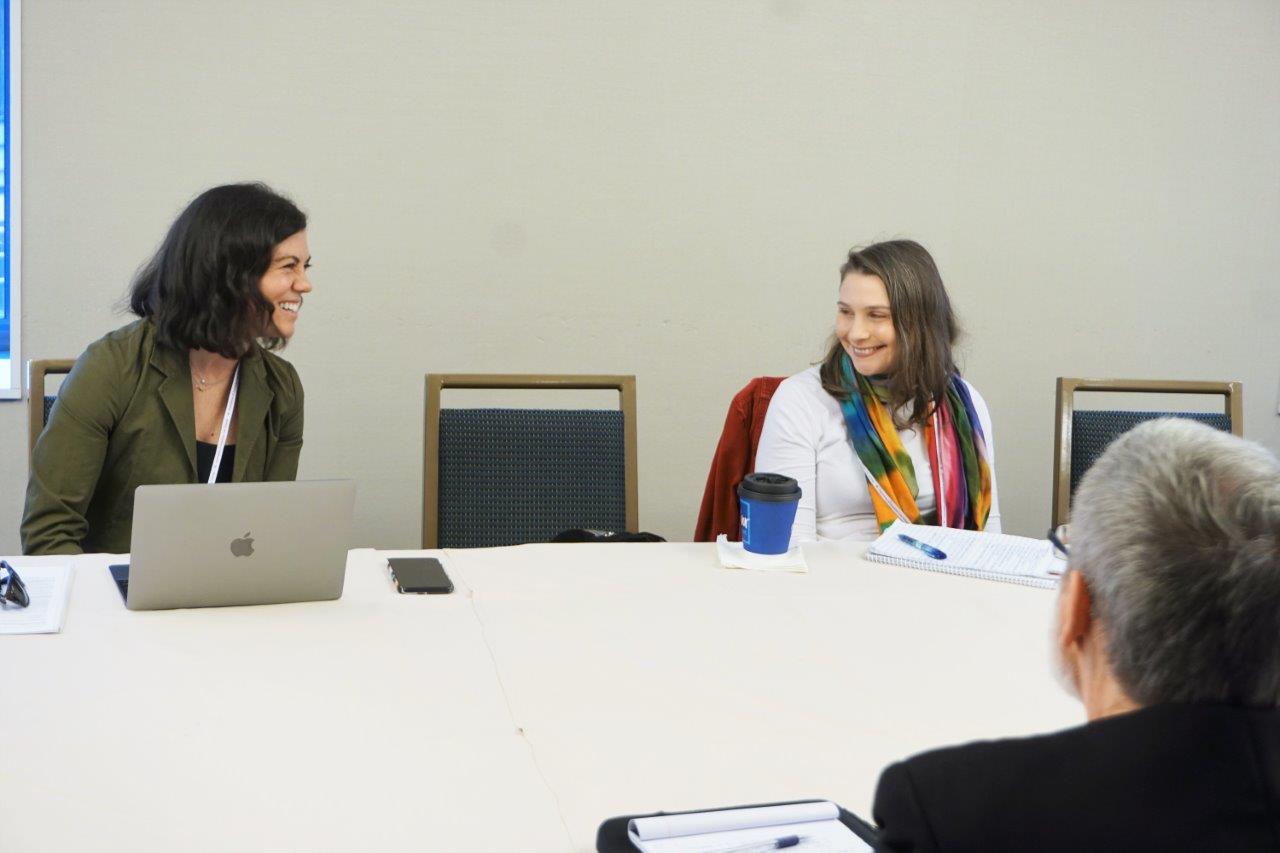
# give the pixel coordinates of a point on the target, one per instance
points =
(769, 486)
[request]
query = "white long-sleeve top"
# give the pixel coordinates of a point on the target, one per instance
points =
(805, 437)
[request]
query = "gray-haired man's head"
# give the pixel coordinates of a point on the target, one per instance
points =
(1176, 532)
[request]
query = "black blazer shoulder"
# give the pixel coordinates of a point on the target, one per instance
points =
(1169, 778)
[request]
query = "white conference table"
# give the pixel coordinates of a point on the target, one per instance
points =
(560, 685)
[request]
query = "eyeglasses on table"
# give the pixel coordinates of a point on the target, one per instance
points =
(12, 589)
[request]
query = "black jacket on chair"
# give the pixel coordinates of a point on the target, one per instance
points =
(1167, 778)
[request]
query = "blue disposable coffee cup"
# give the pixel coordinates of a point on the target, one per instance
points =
(768, 505)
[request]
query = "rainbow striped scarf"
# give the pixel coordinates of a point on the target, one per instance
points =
(957, 454)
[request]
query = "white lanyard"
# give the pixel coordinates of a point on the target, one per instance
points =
(871, 481)
(893, 505)
(941, 496)
(226, 427)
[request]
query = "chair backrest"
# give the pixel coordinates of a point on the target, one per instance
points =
(508, 476)
(1080, 436)
(40, 402)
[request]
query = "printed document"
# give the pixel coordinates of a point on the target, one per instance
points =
(49, 588)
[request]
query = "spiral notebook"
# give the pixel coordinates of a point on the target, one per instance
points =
(993, 556)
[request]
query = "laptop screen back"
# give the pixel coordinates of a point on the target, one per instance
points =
(239, 543)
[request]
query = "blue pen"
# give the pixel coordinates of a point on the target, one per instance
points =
(928, 549)
(763, 846)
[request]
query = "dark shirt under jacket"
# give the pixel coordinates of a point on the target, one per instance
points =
(205, 452)
(1169, 778)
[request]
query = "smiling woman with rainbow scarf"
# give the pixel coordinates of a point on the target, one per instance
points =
(884, 427)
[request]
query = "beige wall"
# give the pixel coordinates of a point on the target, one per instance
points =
(667, 189)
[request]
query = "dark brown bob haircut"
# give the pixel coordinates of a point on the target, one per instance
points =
(201, 289)
(923, 322)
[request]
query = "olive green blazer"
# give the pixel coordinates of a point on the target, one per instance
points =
(124, 418)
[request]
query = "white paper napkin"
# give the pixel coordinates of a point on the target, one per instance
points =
(733, 556)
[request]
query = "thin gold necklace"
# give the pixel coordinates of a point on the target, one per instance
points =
(203, 384)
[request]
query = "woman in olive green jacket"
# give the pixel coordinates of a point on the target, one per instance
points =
(188, 393)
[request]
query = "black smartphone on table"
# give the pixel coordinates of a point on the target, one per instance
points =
(419, 574)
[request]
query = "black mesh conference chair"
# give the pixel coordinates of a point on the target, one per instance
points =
(497, 476)
(1081, 435)
(40, 402)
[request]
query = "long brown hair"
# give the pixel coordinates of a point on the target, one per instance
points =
(923, 323)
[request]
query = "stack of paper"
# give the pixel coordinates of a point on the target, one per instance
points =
(49, 588)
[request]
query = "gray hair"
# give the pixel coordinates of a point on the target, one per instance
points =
(1176, 529)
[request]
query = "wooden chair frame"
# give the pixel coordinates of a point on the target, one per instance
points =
(37, 369)
(437, 382)
(1233, 407)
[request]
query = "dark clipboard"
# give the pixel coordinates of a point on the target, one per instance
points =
(612, 836)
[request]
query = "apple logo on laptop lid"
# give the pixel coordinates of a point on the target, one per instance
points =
(243, 547)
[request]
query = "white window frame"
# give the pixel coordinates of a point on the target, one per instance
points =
(13, 184)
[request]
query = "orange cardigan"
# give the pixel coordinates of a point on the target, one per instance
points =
(735, 458)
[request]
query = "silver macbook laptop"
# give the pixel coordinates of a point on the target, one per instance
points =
(237, 543)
